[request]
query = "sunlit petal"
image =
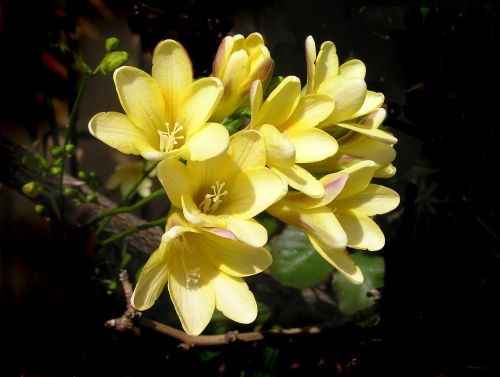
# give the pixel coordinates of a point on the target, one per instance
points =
(234, 299)
(312, 145)
(362, 232)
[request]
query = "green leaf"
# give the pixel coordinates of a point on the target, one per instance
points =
(295, 262)
(353, 298)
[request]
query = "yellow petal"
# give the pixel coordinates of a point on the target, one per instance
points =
(279, 149)
(300, 179)
(280, 104)
(236, 81)
(247, 149)
(174, 178)
(256, 96)
(203, 174)
(386, 171)
(193, 214)
(372, 101)
(248, 231)
(234, 299)
(348, 93)
(312, 145)
(117, 131)
(222, 56)
(191, 290)
(152, 279)
(360, 175)
(373, 200)
(327, 64)
(173, 71)
(319, 222)
(210, 141)
(142, 100)
(310, 59)
(153, 154)
(375, 118)
(353, 68)
(340, 259)
(252, 191)
(374, 133)
(362, 232)
(234, 257)
(310, 111)
(198, 103)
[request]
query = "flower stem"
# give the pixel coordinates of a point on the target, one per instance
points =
(134, 229)
(114, 211)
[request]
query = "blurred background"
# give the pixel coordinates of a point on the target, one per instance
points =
(435, 63)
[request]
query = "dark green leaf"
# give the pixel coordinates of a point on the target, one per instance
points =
(353, 298)
(295, 262)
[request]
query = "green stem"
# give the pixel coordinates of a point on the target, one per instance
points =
(134, 229)
(114, 211)
(127, 197)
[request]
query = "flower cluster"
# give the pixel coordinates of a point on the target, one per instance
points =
(306, 155)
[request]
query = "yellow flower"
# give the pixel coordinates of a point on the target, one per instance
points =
(355, 147)
(227, 191)
(125, 177)
(345, 84)
(165, 114)
(342, 216)
(240, 61)
(288, 122)
(203, 272)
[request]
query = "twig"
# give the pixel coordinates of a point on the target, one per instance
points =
(187, 341)
(134, 229)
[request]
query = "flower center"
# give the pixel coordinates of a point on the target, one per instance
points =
(213, 200)
(168, 139)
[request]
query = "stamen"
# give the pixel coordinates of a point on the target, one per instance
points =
(168, 139)
(212, 201)
(192, 277)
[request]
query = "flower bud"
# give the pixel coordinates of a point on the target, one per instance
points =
(55, 170)
(91, 198)
(31, 189)
(112, 60)
(59, 162)
(69, 148)
(82, 175)
(40, 209)
(56, 151)
(69, 192)
(112, 44)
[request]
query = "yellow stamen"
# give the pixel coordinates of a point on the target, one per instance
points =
(168, 139)
(212, 201)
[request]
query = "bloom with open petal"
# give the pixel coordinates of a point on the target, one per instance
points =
(354, 146)
(288, 122)
(240, 61)
(225, 193)
(165, 114)
(203, 272)
(345, 84)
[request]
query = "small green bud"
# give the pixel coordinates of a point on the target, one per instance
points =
(41, 162)
(93, 175)
(112, 44)
(69, 148)
(55, 170)
(32, 189)
(92, 198)
(69, 192)
(111, 61)
(40, 209)
(56, 151)
(59, 162)
(82, 175)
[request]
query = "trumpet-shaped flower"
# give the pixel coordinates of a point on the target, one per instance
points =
(165, 114)
(226, 192)
(240, 61)
(345, 84)
(374, 144)
(203, 272)
(342, 217)
(125, 177)
(288, 122)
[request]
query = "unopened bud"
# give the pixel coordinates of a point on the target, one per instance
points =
(69, 192)
(69, 148)
(56, 151)
(91, 198)
(82, 175)
(31, 189)
(40, 209)
(112, 60)
(59, 162)
(55, 170)
(112, 44)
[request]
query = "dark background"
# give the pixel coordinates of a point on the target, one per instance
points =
(434, 62)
